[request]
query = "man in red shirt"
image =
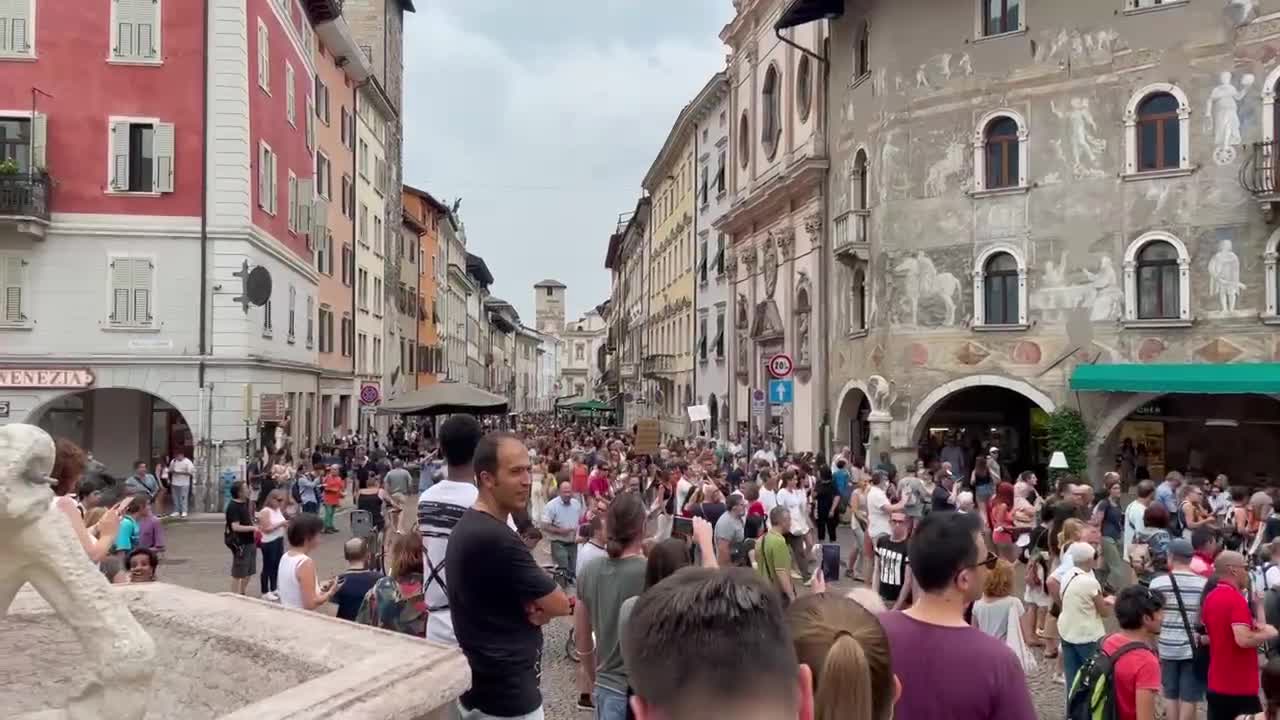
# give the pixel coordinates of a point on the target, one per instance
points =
(1136, 675)
(1234, 634)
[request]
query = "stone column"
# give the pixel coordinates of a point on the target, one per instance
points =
(879, 422)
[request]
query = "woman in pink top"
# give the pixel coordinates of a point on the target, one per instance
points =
(1002, 515)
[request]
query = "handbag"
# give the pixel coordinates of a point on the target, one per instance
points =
(1199, 653)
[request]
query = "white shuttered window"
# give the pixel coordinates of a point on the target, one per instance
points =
(311, 328)
(290, 112)
(135, 30)
(142, 155)
(266, 179)
(13, 283)
(16, 31)
(132, 280)
(264, 57)
(293, 203)
(293, 302)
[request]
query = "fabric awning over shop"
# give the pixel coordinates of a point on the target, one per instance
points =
(1234, 379)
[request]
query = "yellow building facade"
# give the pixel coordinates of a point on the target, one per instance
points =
(668, 365)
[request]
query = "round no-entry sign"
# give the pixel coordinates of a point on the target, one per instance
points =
(780, 366)
(369, 394)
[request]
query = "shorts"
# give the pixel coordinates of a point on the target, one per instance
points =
(244, 564)
(1230, 707)
(1178, 681)
(984, 491)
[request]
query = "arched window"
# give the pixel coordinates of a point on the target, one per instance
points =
(1158, 282)
(1159, 141)
(1157, 125)
(1157, 279)
(804, 87)
(771, 119)
(1002, 153)
(1001, 284)
(860, 181)
(1000, 288)
(1271, 267)
(862, 51)
(858, 299)
(744, 141)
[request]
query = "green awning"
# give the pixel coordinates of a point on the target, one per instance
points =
(1200, 378)
(592, 406)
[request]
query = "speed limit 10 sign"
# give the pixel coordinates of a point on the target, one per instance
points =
(780, 366)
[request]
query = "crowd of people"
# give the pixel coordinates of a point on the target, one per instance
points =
(699, 579)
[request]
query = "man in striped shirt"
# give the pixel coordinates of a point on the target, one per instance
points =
(1181, 688)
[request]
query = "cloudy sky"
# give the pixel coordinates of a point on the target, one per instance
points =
(543, 116)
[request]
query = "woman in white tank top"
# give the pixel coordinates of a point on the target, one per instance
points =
(296, 580)
(271, 523)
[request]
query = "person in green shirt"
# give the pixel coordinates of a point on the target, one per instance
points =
(773, 558)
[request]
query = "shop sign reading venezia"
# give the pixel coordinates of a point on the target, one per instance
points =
(45, 378)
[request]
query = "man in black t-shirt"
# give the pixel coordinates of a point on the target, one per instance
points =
(892, 575)
(239, 533)
(499, 598)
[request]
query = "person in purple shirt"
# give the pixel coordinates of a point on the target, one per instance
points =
(950, 670)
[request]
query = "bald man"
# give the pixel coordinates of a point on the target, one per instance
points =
(356, 580)
(1235, 632)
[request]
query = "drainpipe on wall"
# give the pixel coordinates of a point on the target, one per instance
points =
(823, 265)
(206, 406)
(694, 319)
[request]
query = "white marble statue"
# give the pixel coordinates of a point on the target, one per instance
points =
(923, 281)
(881, 393)
(1086, 146)
(41, 548)
(1224, 277)
(1223, 115)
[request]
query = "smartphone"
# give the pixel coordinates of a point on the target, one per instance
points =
(682, 527)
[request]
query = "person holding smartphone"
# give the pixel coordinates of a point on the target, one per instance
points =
(297, 584)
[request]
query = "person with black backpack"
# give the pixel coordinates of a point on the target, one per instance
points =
(1121, 680)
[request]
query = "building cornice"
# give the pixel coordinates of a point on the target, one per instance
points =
(682, 131)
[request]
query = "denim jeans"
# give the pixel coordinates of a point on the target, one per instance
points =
(610, 704)
(1074, 656)
(180, 494)
(565, 555)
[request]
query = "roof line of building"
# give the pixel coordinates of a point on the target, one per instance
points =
(682, 126)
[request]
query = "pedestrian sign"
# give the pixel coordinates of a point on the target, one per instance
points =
(781, 392)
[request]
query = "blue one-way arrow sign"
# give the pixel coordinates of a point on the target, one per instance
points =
(781, 392)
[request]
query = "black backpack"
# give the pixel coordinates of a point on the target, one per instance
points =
(1093, 694)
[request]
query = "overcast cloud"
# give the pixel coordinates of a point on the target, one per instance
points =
(543, 116)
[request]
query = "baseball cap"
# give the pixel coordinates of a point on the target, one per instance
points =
(1181, 548)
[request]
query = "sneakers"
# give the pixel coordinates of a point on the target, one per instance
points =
(272, 596)
(585, 703)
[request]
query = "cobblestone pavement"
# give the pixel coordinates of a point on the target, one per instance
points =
(196, 558)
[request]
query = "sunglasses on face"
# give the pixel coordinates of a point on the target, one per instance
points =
(989, 562)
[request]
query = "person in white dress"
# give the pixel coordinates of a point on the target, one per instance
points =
(538, 493)
(795, 499)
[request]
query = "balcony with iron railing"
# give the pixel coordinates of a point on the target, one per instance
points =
(657, 364)
(24, 200)
(1260, 175)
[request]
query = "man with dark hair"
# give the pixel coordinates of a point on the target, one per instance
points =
(439, 508)
(973, 675)
(688, 656)
(1136, 672)
(499, 598)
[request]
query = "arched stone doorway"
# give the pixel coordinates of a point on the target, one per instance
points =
(852, 428)
(119, 426)
(962, 418)
(1200, 436)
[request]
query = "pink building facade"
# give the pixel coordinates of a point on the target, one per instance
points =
(135, 190)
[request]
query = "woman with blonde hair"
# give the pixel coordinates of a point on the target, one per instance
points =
(847, 653)
(999, 613)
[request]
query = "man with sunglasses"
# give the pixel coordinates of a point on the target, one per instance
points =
(892, 574)
(953, 669)
(1234, 636)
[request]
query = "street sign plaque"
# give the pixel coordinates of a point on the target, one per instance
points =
(780, 366)
(781, 392)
